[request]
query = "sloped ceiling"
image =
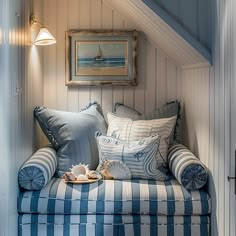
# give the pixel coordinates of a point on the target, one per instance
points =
(164, 30)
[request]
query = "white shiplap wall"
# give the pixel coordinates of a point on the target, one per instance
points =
(21, 89)
(202, 90)
(196, 113)
(159, 77)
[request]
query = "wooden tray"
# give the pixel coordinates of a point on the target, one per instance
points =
(83, 181)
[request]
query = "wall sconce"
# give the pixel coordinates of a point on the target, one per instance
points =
(44, 37)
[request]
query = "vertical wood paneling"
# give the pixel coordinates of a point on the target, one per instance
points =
(155, 85)
(195, 96)
(61, 27)
(22, 90)
(50, 57)
(73, 23)
(150, 79)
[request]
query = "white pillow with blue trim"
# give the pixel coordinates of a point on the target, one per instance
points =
(139, 156)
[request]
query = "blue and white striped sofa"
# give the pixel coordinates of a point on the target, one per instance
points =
(114, 207)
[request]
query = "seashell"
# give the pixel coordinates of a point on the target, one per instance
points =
(82, 177)
(116, 170)
(80, 169)
(92, 174)
(68, 176)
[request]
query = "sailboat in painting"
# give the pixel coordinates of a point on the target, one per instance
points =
(99, 56)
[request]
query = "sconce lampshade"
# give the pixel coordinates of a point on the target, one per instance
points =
(44, 37)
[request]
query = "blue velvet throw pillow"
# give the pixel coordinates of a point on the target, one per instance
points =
(170, 109)
(187, 169)
(37, 171)
(72, 135)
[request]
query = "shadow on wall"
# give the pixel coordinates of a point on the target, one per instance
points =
(210, 188)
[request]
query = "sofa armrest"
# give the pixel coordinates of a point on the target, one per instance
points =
(186, 167)
(37, 171)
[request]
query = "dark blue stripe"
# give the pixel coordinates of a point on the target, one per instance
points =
(170, 198)
(19, 201)
(135, 196)
(170, 226)
(34, 224)
(204, 202)
(117, 196)
(153, 206)
(34, 201)
(20, 225)
(188, 204)
(170, 208)
(83, 208)
(136, 206)
(187, 225)
(137, 225)
(204, 226)
(51, 206)
(67, 209)
(34, 208)
(118, 226)
(100, 207)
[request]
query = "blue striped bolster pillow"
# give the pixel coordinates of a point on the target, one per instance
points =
(37, 171)
(187, 169)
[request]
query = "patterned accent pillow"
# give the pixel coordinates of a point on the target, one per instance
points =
(187, 169)
(170, 109)
(72, 135)
(37, 171)
(139, 156)
(131, 131)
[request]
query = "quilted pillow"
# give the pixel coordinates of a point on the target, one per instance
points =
(138, 156)
(72, 135)
(131, 131)
(170, 109)
(37, 171)
(187, 169)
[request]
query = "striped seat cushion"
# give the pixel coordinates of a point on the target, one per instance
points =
(131, 131)
(115, 225)
(187, 169)
(37, 171)
(115, 197)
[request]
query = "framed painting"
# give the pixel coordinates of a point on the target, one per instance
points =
(101, 57)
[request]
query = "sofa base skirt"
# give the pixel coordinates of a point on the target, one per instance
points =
(112, 225)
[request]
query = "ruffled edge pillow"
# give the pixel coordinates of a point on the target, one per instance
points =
(37, 171)
(187, 168)
(172, 108)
